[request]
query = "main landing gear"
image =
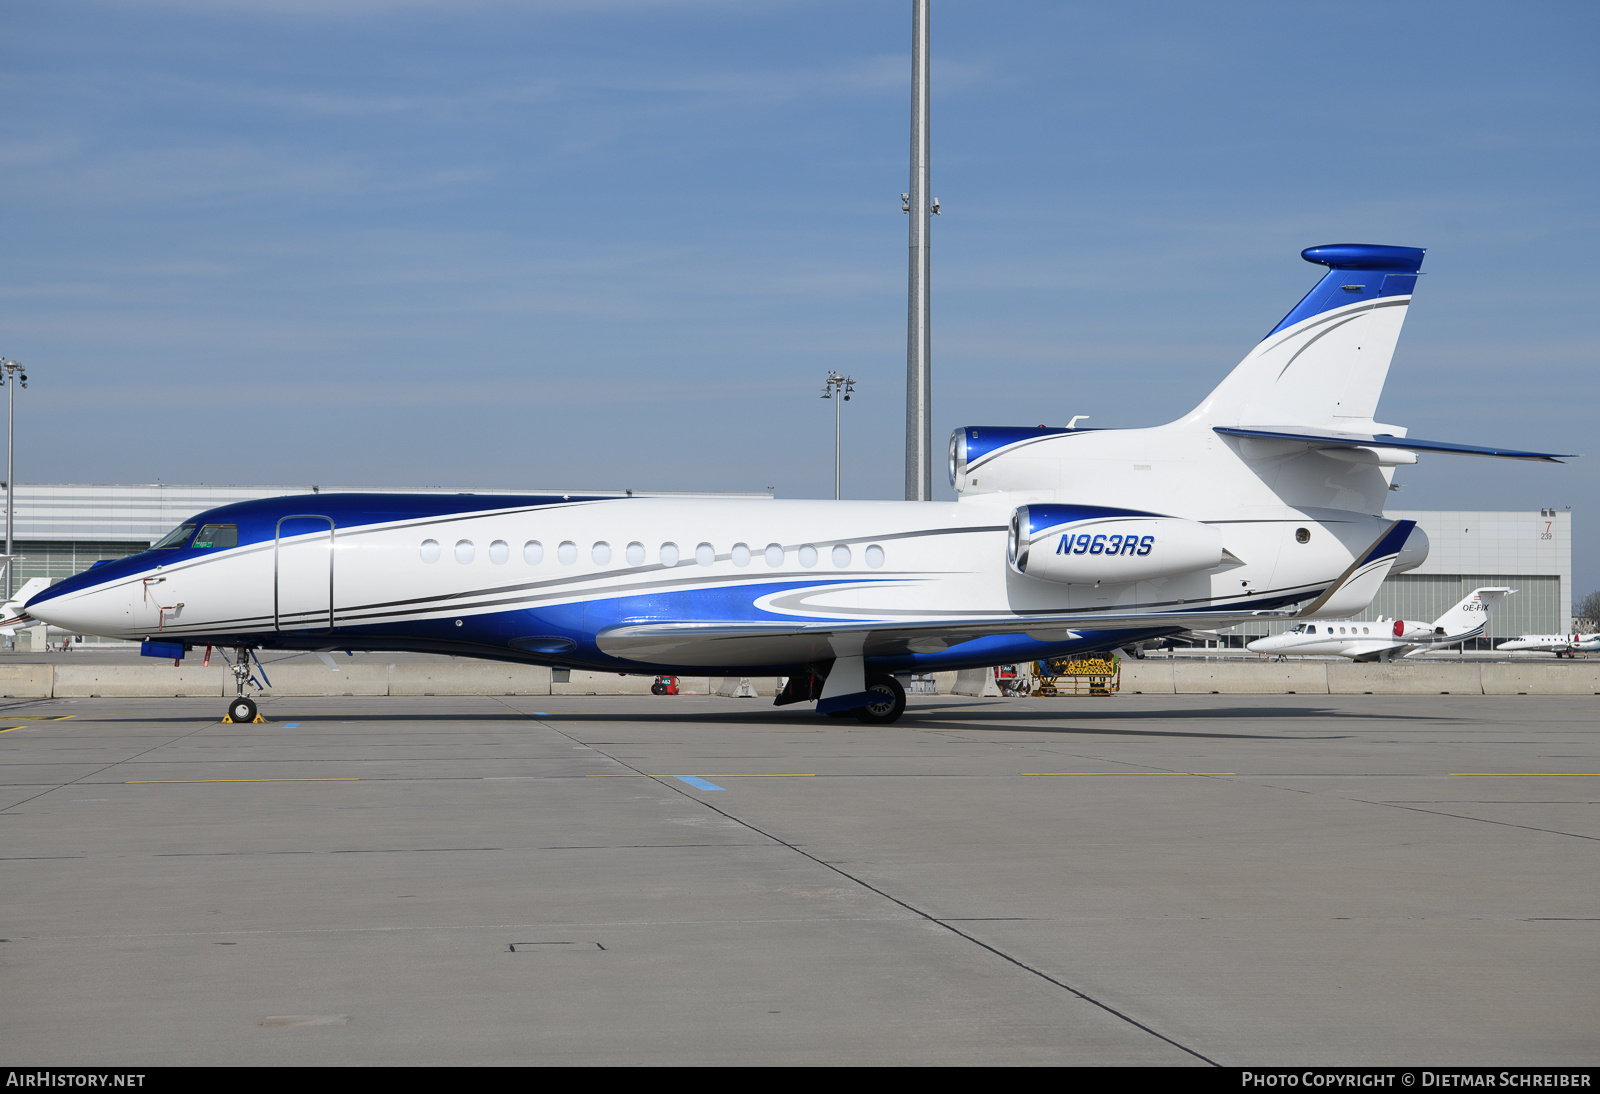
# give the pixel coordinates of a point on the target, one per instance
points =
(243, 708)
(886, 699)
(887, 702)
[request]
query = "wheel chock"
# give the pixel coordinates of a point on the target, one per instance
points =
(227, 720)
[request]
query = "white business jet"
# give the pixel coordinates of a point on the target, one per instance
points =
(1562, 645)
(1263, 501)
(1383, 639)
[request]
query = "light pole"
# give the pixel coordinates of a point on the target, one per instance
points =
(11, 374)
(837, 388)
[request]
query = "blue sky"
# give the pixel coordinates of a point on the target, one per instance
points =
(620, 244)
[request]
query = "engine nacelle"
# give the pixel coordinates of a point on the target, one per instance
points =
(1408, 631)
(1088, 544)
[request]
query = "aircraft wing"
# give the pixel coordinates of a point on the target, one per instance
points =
(799, 642)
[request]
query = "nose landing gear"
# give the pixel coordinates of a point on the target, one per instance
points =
(243, 708)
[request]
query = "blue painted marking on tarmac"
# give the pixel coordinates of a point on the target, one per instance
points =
(291, 725)
(698, 783)
(540, 714)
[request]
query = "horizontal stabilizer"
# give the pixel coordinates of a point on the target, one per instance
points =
(1327, 438)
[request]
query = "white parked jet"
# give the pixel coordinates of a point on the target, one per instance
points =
(1265, 500)
(1562, 645)
(1382, 639)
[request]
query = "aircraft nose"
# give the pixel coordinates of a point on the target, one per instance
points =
(100, 611)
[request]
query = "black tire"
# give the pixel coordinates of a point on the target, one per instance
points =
(888, 701)
(242, 710)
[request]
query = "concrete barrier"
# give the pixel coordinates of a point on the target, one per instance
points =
(1350, 678)
(469, 678)
(1153, 676)
(1536, 679)
(1250, 677)
(27, 681)
(318, 679)
(1147, 677)
(86, 681)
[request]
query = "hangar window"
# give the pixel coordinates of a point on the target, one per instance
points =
(218, 536)
(430, 550)
(774, 554)
(601, 553)
(533, 552)
(464, 551)
(705, 554)
(669, 554)
(841, 555)
(808, 555)
(635, 554)
(874, 556)
(740, 554)
(499, 551)
(567, 552)
(175, 538)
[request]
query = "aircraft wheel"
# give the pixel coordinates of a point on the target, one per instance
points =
(242, 710)
(888, 701)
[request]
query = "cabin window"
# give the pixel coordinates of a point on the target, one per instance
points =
(533, 552)
(567, 552)
(499, 551)
(464, 551)
(1302, 535)
(430, 550)
(175, 538)
(217, 536)
(1365, 631)
(636, 554)
(740, 554)
(841, 555)
(601, 553)
(808, 555)
(669, 554)
(774, 554)
(705, 554)
(874, 556)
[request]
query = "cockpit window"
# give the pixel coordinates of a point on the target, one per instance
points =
(218, 535)
(174, 538)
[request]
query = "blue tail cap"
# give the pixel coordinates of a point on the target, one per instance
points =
(1358, 273)
(1366, 256)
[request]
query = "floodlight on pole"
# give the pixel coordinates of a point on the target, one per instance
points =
(837, 388)
(11, 376)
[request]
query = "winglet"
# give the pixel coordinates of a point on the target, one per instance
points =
(1359, 584)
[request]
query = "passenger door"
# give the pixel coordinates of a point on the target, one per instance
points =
(302, 575)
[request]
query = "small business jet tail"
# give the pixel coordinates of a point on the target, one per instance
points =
(1470, 618)
(11, 614)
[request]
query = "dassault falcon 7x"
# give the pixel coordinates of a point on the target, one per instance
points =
(1380, 640)
(1265, 500)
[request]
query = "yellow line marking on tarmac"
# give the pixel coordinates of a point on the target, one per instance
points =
(40, 717)
(1533, 774)
(146, 782)
(1130, 773)
(781, 775)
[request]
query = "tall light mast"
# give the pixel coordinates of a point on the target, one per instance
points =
(919, 203)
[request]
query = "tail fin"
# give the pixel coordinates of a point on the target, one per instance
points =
(1469, 618)
(1324, 365)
